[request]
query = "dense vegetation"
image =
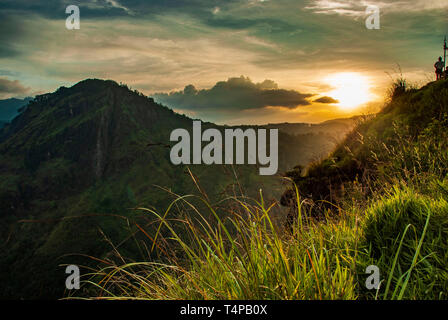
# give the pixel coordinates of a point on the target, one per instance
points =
(381, 198)
(74, 164)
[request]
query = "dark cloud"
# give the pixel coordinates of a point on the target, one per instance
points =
(234, 94)
(12, 32)
(55, 9)
(12, 87)
(49, 8)
(326, 99)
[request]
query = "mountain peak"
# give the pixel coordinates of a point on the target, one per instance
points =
(86, 124)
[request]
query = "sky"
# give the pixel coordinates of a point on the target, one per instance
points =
(226, 61)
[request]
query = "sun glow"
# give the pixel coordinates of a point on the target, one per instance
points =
(350, 89)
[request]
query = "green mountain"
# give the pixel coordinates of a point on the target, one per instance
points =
(10, 108)
(336, 128)
(76, 161)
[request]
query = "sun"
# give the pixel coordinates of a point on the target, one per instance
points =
(350, 89)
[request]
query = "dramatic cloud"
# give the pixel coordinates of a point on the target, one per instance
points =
(326, 99)
(357, 8)
(234, 94)
(116, 8)
(10, 88)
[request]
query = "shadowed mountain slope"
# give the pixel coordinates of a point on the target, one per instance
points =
(74, 163)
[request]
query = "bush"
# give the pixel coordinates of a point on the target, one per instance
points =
(399, 243)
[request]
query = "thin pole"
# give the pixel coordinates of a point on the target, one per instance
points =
(444, 54)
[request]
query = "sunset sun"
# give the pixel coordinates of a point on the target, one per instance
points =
(350, 89)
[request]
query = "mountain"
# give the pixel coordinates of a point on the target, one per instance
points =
(337, 127)
(10, 108)
(70, 163)
(75, 162)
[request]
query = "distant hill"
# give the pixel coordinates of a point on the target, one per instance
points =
(9, 109)
(337, 127)
(75, 161)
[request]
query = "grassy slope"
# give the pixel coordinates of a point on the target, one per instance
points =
(389, 189)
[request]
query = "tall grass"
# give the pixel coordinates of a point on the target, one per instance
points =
(245, 256)
(395, 217)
